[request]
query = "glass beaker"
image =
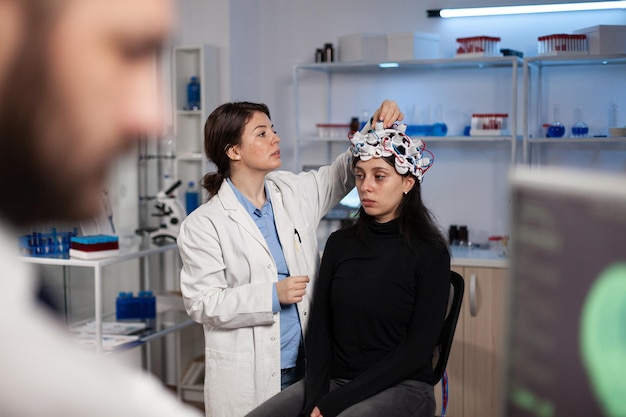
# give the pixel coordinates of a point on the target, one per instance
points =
(439, 128)
(580, 128)
(556, 128)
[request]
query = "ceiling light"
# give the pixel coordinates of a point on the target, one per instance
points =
(525, 9)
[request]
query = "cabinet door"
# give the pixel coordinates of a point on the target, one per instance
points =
(454, 369)
(482, 338)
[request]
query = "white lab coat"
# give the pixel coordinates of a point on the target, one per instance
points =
(44, 373)
(228, 274)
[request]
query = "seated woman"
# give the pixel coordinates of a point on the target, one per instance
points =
(380, 300)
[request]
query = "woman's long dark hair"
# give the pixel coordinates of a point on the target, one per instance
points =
(223, 129)
(415, 220)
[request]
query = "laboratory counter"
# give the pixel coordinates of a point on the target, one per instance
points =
(482, 258)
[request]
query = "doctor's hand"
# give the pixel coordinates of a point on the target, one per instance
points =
(316, 413)
(388, 112)
(291, 289)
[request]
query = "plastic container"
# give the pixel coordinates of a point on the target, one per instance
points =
(55, 244)
(371, 47)
(192, 197)
(495, 244)
(412, 45)
(605, 39)
(489, 124)
(193, 94)
(562, 44)
(477, 46)
(332, 130)
(137, 308)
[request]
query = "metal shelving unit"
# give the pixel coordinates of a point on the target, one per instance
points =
(417, 68)
(533, 112)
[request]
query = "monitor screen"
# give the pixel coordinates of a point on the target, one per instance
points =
(351, 200)
(347, 208)
(566, 345)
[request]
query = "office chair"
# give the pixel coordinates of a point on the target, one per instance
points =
(442, 350)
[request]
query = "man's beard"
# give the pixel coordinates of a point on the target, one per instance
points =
(30, 190)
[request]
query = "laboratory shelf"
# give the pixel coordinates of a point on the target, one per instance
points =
(588, 140)
(412, 65)
(190, 157)
(421, 67)
(534, 107)
(190, 113)
(126, 254)
(474, 257)
(427, 139)
(555, 61)
(166, 322)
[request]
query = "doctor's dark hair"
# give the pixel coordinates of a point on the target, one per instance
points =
(223, 129)
(415, 220)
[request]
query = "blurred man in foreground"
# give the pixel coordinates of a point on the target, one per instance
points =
(77, 87)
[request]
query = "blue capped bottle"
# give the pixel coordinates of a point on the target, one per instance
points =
(191, 197)
(193, 94)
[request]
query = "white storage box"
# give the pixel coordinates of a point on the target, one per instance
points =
(368, 47)
(605, 39)
(412, 45)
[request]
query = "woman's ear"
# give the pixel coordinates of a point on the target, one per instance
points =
(233, 153)
(408, 183)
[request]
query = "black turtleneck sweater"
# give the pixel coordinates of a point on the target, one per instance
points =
(378, 308)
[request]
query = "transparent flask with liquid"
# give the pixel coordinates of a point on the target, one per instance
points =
(556, 128)
(439, 128)
(580, 128)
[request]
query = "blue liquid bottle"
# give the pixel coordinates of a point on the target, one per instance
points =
(191, 197)
(439, 128)
(580, 128)
(556, 128)
(193, 94)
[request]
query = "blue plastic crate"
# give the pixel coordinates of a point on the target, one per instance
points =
(141, 307)
(49, 245)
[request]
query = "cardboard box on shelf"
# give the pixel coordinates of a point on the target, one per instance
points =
(407, 46)
(605, 39)
(365, 47)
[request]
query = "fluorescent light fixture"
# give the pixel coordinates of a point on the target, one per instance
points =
(525, 9)
(388, 65)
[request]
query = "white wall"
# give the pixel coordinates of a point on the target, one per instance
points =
(268, 37)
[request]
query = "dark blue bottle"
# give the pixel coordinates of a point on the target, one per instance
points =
(439, 129)
(191, 197)
(193, 94)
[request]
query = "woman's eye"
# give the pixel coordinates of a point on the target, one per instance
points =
(358, 176)
(380, 177)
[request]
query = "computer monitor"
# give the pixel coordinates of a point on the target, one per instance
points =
(347, 208)
(566, 344)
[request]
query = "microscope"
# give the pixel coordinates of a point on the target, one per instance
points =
(171, 211)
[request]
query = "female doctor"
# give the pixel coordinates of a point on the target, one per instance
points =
(250, 252)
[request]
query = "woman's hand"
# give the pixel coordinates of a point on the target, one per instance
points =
(388, 112)
(291, 289)
(316, 413)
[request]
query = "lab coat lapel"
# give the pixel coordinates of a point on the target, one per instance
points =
(286, 232)
(237, 213)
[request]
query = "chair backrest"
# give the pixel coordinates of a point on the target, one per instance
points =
(457, 286)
